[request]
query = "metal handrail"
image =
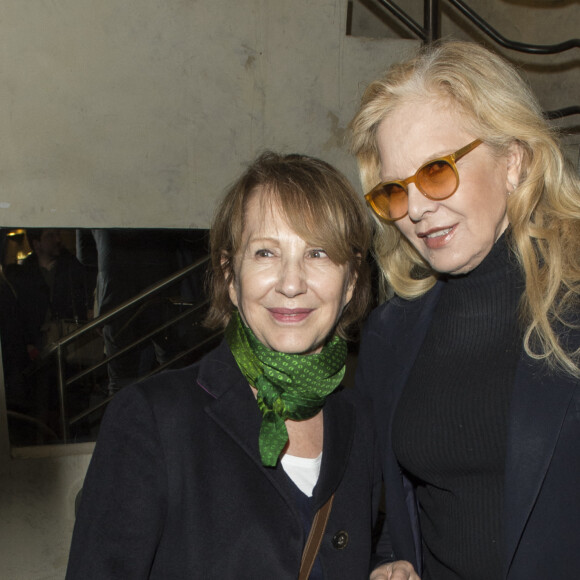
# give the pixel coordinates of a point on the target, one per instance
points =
(161, 367)
(58, 346)
(421, 31)
(40, 425)
(137, 342)
(431, 30)
(431, 27)
(100, 320)
(511, 44)
(564, 112)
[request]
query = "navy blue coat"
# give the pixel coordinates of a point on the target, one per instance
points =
(176, 488)
(542, 478)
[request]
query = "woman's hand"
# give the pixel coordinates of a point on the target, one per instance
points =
(399, 570)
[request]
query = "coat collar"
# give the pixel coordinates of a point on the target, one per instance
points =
(339, 428)
(234, 407)
(235, 410)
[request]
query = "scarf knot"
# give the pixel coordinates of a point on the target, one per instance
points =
(290, 386)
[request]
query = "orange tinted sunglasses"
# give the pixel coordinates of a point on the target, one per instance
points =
(437, 179)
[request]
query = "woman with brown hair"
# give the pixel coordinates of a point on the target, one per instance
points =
(218, 470)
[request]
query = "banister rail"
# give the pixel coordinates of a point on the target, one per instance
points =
(100, 320)
(512, 45)
(57, 348)
(168, 364)
(431, 30)
(564, 112)
(426, 33)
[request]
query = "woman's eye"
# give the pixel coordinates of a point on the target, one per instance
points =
(317, 253)
(263, 253)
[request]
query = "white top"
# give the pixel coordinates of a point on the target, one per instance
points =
(303, 471)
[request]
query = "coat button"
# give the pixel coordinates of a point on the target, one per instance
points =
(340, 540)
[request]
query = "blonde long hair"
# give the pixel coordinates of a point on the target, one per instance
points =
(543, 211)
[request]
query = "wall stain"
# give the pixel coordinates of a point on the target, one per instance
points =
(338, 134)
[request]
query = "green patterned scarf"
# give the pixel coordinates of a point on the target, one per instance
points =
(290, 386)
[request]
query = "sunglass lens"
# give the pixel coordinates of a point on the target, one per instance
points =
(379, 200)
(437, 180)
(390, 201)
(398, 202)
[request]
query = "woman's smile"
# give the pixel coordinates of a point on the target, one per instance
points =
(290, 315)
(435, 238)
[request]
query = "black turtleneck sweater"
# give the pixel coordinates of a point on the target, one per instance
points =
(450, 425)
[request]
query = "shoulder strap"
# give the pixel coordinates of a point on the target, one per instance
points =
(315, 539)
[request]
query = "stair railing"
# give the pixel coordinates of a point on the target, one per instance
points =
(58, 348)
(431, 31)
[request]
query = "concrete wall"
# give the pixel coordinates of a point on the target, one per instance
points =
(156, 105)
(110, 105)
(38, 488)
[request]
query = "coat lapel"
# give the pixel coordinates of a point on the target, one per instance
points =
(397, 329)
(407, 326)
(235, 410)
(539, 404)
(412, 328)
(339, 426)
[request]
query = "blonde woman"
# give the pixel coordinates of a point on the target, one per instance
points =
(473, 365)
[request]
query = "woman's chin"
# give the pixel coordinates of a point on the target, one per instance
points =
(292, 345)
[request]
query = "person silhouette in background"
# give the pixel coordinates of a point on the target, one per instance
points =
(128, 262)
(51, 285)
(52, 289)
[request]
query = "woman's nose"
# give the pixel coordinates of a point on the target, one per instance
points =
(291, 279)
(419, 204)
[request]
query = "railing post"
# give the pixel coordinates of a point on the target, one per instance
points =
(432, 20)
(4, 435)
(62, 394)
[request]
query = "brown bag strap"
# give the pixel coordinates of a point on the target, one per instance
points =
(315, 539)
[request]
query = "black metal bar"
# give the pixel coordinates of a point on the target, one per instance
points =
(405, 19)
(432, 20)
(432, 31)
(564, 112)
(137, 342)
(512, 45)
(137, 298)
(62, 395)
(181, 355)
